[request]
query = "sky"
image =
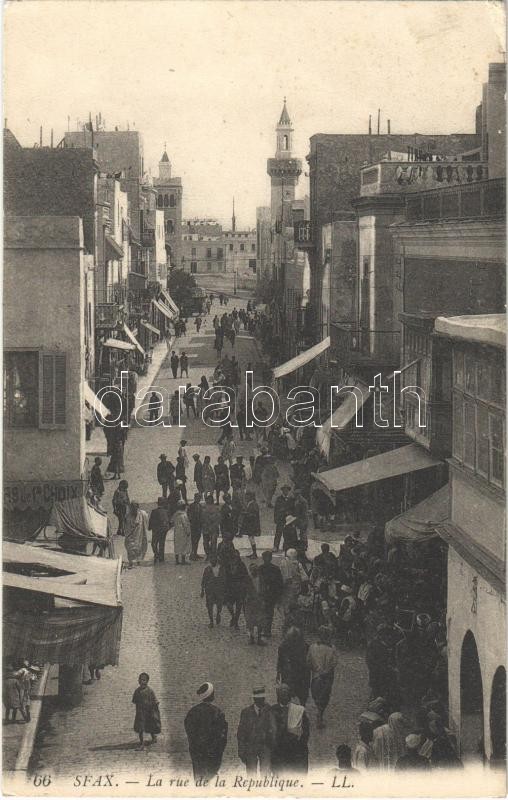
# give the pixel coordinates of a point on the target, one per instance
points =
(209, 78)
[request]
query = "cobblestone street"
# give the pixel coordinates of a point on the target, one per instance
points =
(165, 630)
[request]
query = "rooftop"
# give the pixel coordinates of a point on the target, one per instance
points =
(479, 328)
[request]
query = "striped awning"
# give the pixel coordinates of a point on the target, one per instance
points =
(301, 359)
(170, 302)
(133, 339)
(150, 327)
(94, 402)
(119, 344)
(163, 309)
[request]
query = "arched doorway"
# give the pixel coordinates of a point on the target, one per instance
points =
(498, 717)
(471, 701)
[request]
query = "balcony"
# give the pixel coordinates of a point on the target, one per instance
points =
(484, 199)
(397, 177)
(364, 347)
(303, 238)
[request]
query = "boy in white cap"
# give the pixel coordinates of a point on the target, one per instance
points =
(207, 733)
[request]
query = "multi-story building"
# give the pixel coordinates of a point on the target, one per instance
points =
(170, 201)
(263, 248)
(44, 366)
(233, 252)
(475, 533)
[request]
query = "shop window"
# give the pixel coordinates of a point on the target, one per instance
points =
(21, 389)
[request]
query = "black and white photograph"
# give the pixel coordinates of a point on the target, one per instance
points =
(254, 345)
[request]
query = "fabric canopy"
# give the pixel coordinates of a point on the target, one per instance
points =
(343, 414)
(93, 401)
(113, 248)
(164, 309)
(79, 518)
(420, 522)
(72, 636)
(86, 579)
(119, 344)
(386, 465)
(170, 302)
(150, 327)
(301, 359)
(133, 339)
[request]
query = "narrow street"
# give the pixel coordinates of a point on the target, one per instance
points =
(165, 629)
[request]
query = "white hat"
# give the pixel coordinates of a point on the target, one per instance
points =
(413, 741)
(259, 691)
(290, 519)
(205, 691)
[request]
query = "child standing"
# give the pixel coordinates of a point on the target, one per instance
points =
(147, 719)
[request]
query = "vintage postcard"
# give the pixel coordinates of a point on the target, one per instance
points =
(254, 343)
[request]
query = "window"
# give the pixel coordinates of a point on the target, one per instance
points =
(208, 267)
(160, 201)
(166, 201)
(208, 252)
(231, 248)
(458, 427)
(170, 227)
(21, 389)
(242, 247)
(458, 368)
(469, 433)
(482, 440)
(470, 373)
(253, 248)
(220, 253)
(496, 435)
(220, 266)
(193, 266)
(172, 201)
(193, 251)
(252, 264)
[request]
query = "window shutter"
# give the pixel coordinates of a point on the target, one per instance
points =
(53, 386)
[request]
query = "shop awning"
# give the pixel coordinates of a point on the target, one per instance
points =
(301, 359)
(87, 579)
(401, 461)
(113, 249)
(340, 418)
(119, 344)
(419, 524)
(78, 518)
(94, 402)
(170, 302)
(150, 327)
(133, 339)
(163, 309)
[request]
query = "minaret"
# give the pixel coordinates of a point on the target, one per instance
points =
(233, 218)
(165, 166)
(284, 170)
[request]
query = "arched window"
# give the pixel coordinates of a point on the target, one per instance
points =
(160, 201)
(170, 228)
(172, 201)
(166, 201)
(285, 142)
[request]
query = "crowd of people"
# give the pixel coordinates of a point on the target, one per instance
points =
(364, 597)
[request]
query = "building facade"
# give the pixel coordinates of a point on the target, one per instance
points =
(170, 202)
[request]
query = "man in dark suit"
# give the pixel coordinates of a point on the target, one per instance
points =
(207, 733)
(159, 525)
(271, 585)
(255, 735)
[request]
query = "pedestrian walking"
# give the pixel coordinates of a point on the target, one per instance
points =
(182, 541)
(237, 578)
(159, 524)
(363, 753)
(155, 407)
(175, 408)
(116, 463)
(136, 540)
(213, 584)
(280, 511)
(293, 575)
(208, 477)
(174, 362)
(198, 473)
(184, 364)
(121, 503)
(96, 479)
(210, 526)
(147, 719)
(269, 478)
(198, 322)
(203, 387)
(292, 666)
(207, 733)
(195, 515)
(221, 477)
(237, 472)
(227, 521)
(189, 400)
(412, 760)
(256, 734)
(240, 421)
(254, 611)
(12, 695)
(271, 586)
(389, 742)
(301, 510)
(250, 524)
(322, 660)
(290, 753)
(228, 451)
(165, 474)
(181, 476)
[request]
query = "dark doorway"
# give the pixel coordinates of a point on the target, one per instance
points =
(498, 717)
(471, 701)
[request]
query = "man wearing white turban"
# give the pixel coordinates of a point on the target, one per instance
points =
(207, 733)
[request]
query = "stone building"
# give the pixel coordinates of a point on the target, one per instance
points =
(170, 201)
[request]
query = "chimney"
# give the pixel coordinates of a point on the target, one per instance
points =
(378, 121)
(40, 136)
(388, 126)
(370, 124)
(51, 138)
